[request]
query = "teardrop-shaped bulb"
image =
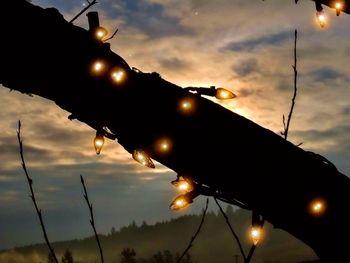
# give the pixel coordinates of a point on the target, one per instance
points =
(183, 185)
(224, 94)
(180, 202)
(142, 158)
(99, 142)
(255, 234)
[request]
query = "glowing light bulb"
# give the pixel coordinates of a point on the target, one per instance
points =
(338, 7)
(183, 185)
(255, 234)
(101, 33)
(180, 202)
(163, 145)
(321, 17)
(317, 207)
(142, 158)
(186, 105)
(224, 94)
(98, 67)
(118, 75)
(99, 142)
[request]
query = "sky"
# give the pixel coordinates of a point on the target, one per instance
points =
(246, 46)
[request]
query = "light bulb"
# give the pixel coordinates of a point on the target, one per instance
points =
(99, 142)
(338, 7)
(186, 105)
(317, 207)
(142, 158)
(98, 67)
(100, 33)
(180, 202)
(224, 94)
(183, 185)
(163, 145)
(118, 75)
(321, 17)
(255, 234)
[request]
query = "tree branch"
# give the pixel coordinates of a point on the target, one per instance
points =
(92, 220)
(196, 234)
(111, 37)
(90, 4)
(286, 130)
(232, 230)
(32, 196)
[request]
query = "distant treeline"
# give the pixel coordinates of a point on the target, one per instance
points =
(164, 241)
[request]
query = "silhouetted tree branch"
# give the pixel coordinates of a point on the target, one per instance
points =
(90, 4)
(196, 234)
(92, 220)
(286, 125)
(32, 196)
(232, 230)
(112, 36)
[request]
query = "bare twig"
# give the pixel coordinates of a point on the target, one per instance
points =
(92, 220)
(196, 234)
(32, 196)
(232, 230)
(111, 37)
(286, 126)
(90, 4)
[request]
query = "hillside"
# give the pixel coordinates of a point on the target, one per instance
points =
(214, 244)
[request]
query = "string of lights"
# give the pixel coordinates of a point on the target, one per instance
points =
(189, 189)
(320, 13)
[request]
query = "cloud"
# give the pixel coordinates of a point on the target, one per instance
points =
(314, 51)
(334, 139)
(346, 111)
(9, 196)
(327, 74)
(174, 63)
(246, 67)
(260, 42)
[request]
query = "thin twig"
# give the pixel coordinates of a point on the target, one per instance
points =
(196, 234)
(286, 130)
(92, 220)
(232, 230)
(32, 196)
(111, 37)
(90, 4)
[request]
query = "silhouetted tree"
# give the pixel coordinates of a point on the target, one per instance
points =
(168, 257)
(128, 255)
(186, 259)
(158, 257)
(50, 258)
(113, 231)
(144, 224)
(133, 225)
(67, 257)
